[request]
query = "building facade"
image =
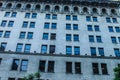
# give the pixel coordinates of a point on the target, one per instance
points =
(63, 39)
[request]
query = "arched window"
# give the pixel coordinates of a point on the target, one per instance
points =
(76, 9)
(47, 8)
(28, 7)
(57, 8)
(85, 10)
(1, 5)
(94, 10)
(37, 7)
(104, 11)
(18, 6)
(9, 5)
(66, 9)
(113, 11)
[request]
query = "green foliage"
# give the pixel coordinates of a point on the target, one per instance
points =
(117, 73)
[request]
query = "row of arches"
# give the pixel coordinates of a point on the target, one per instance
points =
(58, 8)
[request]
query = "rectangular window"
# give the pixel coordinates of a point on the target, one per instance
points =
(91, 38)
(3, 23)
(22, 35)
(30, 35)
(27, 48)
(11, 23)
(7, 14)
(34, 15)
(95, 68)
(0, 60)
(19, 47)
(68, 17)
(77, 67)
(54, 16)
(114, 40)
(110, 28)
(96, 28)
(14, 14)
(32, 24)
(51, 66)
(24, 65)
(27, 15)
(54, 26)
(98, 39)
(47, 16)
(52, 49)
(46, 25)
(15, 64)
(3, 46)
(53, 36)
(44, 49)
(68, 26)
(117, 52)
(95, 19)
(93, 51)
(68, 37)
(68, 67)
(11, 78)
(7, 34)
(114, 20)
(101, 51)
(74, 17)
(68, 50)
(77, 50)
(88, 18)
(119, 39)
(76, 37)
(25, 24)
(89, 27)
(108, 20)
(104, 68)
(1, 32)
(45, 36)
(42, 65)
(75, 26)
(117, 29)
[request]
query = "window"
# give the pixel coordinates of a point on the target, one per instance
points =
(11, 78)
(3, 24)
(22, 35)
(54, 16)
(93, 51)
(68, 17)
(104, 68)
(89, 27)
(11, 23)
(7, 14)
(113, 39)
(24, 65)
(1, 32)
(15, 64)
(101, 51)
(32, 24)
(96, 28)
(51, 66)
(75, 26)
(91, 38)
(25, 24)
(0, 60)
(46, 25)
(45, 36)
(47, 16)
(44, 49)
(27, 48)
(76, 37)
(74, 17)
(117, 29)
(77, 50)
(68, 26)
(30, 35)
(88, 18)
(68, 37)
(54, 26)
(3, 46)
(52, 49)
(68, 67)
(95, 19)
(110, 28)
(108, 20)
(119, 39)
(27, 15)
(19, 47)
(98, 39)
(14, 14)
(117, 52)
(34, 15)
(53, 36)
(77, 67)
(114, 20)
(68, 50)
(42, 65)
(95, 68)
(7, 34)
